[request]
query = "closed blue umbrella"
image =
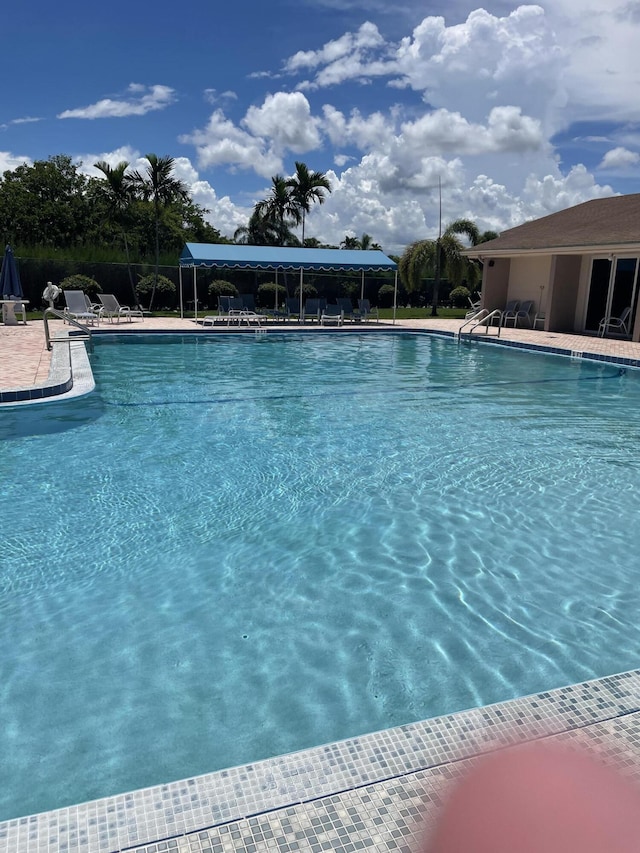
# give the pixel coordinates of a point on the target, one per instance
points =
(9, 279)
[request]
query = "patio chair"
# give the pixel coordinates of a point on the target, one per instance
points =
(248, 301)
(615, 325)
(312, 309)
(292, 307)
(475, 308)
(111, 308)
(367, 310)
(332, 314)
(509, 311)
(523, 312)
(346, 306)
(78, 307)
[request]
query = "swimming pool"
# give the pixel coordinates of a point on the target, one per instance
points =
(238, 547)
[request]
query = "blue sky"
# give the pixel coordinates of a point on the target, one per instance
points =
(518, 111)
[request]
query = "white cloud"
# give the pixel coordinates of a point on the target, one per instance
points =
(125, 154)
(9, 162)
(212, 96)
(142, 100)
(221, 143)
(337, 51)
(619, 158)
(285, 118)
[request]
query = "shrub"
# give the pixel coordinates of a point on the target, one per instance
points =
(385, 296)
(308, 291)
(164, 288)
(267, 294)
(459, 297)
(82, 282)
(164, 285)
(350, 289)
(220, 287)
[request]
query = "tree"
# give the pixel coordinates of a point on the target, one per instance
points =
(159, 185)
(280, 208)
(45, 204)
(307, 187)
(119, 192)
(440, 256)
(259, 231)
(365, 243)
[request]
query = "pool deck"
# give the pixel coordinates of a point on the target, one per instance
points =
(380, 791)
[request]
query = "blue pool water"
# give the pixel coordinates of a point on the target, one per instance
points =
(236, 548)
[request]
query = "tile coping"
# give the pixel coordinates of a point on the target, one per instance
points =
(165, 813)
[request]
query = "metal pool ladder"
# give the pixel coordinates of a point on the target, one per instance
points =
(484, 319)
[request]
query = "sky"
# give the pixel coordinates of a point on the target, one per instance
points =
(418, 113)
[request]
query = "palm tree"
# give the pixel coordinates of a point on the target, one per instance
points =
(307, 187)
(118, 190)
(440, 256)
(281, 209)
(365, 242)
(259, 231)
(160, 186)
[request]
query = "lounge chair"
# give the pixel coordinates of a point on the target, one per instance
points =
(345, 305)
(367, 310)
(475, 308)
(313, 309)
(332, 314)
(226, 304)
(111, 308)
(248, 301)
(523, 312)
(79, 307)
(292, 307)
(509, 312)
(615, 325)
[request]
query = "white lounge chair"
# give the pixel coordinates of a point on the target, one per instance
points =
(615, 325)
(332, 314)
(78, 307)
(111, 308)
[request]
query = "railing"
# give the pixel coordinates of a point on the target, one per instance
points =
(53, 312)
(482, 318)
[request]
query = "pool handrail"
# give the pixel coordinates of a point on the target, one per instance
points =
(482, 318)
(62, 315)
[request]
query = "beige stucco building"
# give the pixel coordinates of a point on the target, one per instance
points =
(579, 266)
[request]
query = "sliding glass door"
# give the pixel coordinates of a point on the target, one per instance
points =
(614, 287)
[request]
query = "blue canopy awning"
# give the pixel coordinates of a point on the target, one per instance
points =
(277, 257)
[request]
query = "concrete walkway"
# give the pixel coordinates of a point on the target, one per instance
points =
(25, 360)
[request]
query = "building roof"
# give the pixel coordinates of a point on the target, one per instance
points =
(276, 257)
(603, 223)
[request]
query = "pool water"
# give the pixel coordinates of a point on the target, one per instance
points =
(239, 547)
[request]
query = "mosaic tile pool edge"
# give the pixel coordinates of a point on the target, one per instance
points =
(205, 804)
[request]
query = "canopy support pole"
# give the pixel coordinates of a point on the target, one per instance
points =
(301, 276)
(181, 305)
(195, 295)
(395, 298)
(362, 286)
